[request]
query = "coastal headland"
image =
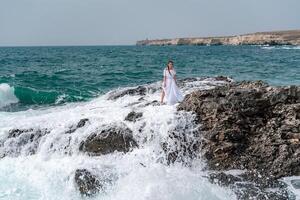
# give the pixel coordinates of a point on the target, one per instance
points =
(291, 37)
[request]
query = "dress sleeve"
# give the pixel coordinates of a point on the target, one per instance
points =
(165, 72)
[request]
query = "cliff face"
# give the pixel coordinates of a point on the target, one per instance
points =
(261, 38)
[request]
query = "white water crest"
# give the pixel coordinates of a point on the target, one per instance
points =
(7, 95)
(43, 167)
(286, 47)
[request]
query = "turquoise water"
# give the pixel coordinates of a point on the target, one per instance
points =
(41, 162)
(43, 76)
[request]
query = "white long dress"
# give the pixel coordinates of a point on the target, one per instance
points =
(172, 92)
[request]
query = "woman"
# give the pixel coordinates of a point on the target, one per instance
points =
(170, 90)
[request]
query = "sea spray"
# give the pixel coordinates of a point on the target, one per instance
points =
(143, 173)
(7, 95)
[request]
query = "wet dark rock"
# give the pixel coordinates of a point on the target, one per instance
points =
(246, 191)
(139, 90)
(152, 103)
(109, 139)
(80, 124)
(182, 143)
(179, 147)
(87, 183)
(223, 78)
(21, 141)
(260, 180)
(133, 116)
(223, 179)
(91, 182)
(249, 125)
(141, 99)
(245, 187)
(17, 132)
(181, 82)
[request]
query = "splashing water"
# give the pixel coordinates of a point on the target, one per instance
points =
(7, 95)
(41, 163)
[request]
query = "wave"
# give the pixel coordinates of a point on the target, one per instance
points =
(281, 47)
(32, 96)
(41, 151)
(7, 95)
(20, 98)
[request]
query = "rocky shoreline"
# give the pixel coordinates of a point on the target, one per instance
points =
(261, 38)
(247, 126)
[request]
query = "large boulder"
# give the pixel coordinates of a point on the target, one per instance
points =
(108, 139)
(249, 125)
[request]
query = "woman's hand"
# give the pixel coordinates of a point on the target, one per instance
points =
(174, 77)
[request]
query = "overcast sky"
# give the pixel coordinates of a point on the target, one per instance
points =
(105, 22)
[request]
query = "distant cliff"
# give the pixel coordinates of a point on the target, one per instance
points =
(260, 38)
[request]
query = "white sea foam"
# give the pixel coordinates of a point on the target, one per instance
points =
(281, 47)
(61, 99)
(291, 187)
(141, 174)
(7, 95)
(291, 47)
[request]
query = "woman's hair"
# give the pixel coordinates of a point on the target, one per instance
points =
(170, 61)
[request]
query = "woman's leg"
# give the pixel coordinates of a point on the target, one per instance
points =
(162, 96)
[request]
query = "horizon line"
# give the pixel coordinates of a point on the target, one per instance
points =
(66, 45)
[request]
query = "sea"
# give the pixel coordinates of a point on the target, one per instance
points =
(52, 88)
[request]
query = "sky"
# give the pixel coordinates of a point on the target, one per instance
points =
(123, 22)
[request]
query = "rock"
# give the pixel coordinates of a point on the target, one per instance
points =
(109, 139)
(21, 142)
(249, 125)
(223, 78)
(139, 90)
(17, 132)
(152, 103)
(261, 38)
(80, 124)
(245, 187)
(133, 116)
(260, 180)
(182, 143)
(246, 191)
(223, 179)
(87, 183)
(93, 181)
